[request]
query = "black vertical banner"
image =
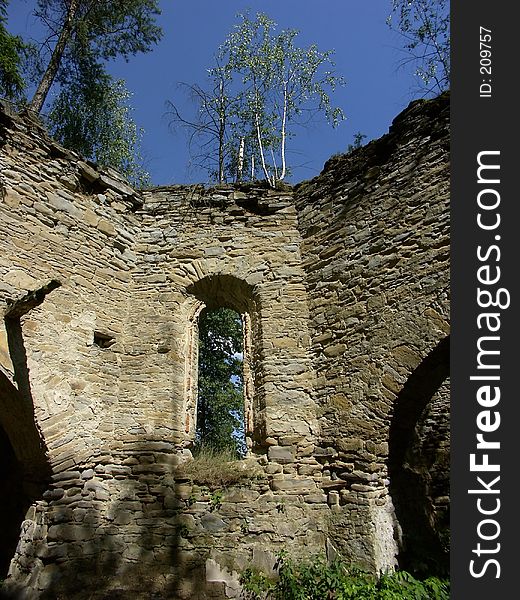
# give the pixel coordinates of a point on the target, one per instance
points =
(485, 343)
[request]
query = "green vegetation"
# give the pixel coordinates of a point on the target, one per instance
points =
(215, 500)
(90, 113)
(358, 142)
(220, 402)
(261, 85)
(319, 580)
(93, 31)
(95, 120)
(12, 55)
(424, 27)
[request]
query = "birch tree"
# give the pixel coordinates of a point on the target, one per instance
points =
(281, 85)
(210, 129)
(270, 85)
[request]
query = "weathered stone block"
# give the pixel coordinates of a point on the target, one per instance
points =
(293, 485)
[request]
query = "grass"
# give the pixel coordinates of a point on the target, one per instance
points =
(218, 470)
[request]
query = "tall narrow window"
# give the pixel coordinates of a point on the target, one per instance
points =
(220, 398)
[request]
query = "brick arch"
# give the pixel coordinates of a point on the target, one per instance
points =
(418, 439)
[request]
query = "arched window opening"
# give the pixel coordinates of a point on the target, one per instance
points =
(236, 299)
(220, 397)
(220, 418)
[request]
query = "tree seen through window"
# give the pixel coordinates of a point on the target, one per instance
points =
(220, 403)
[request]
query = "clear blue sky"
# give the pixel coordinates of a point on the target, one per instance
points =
(366, 54)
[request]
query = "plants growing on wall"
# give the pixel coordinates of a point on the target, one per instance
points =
(261, 85)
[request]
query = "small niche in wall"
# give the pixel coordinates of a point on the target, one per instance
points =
(103, 340)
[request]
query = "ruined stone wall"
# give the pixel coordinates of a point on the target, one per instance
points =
(63, 222)
(375, 231)
(109, 358)
(65, 269)
(342, 285)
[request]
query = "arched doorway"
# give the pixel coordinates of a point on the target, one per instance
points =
(419, 463)
(223, 291)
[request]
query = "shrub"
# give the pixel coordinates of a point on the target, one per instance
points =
(316, 579)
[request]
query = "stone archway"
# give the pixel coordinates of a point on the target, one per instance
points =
(227, 291)
(418, 464)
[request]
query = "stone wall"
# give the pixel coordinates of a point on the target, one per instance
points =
(375, 248)
(342, 284)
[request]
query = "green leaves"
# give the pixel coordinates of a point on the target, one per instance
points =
(106, 29)
(261, 86)
(318, 579)
(91, 112)
(277, 85)
(424, 26)
(92, 116)
(220, 403)
(13, 53)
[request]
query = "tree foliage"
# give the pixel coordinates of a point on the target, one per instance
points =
(425, 29)
(92, 116)
(261, 86)
(220, 403)
(13, 52)
(90, 113)
(90, 28)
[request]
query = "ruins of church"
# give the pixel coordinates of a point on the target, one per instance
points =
(342, 283)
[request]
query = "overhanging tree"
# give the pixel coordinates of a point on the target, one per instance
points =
(103, 29)
(424, 26)
(92, 116)
(90, 112)
(13, 52)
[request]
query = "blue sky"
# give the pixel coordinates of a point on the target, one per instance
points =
(367, 55)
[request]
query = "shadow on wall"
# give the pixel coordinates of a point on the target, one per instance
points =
(123, 529)
(419, 465)
(13, 502)
(94, 548)
(24, 469)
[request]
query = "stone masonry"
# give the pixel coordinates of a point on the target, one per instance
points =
(343, 287)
